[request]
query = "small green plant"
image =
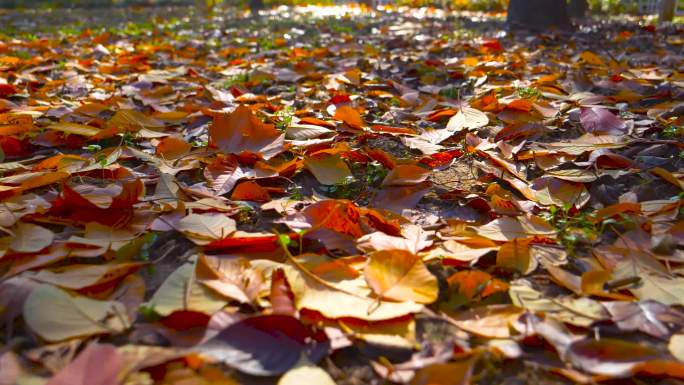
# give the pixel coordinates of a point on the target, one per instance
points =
(375, 173)
(246, 214)
(347, 189)
(200, 143)
(149, 313)
(673, 132)
(528, 93)
(285, 117)
(23, 55)
(451, 92)
(573, 228)
(582, 227)
(242, 77)
(101, 159)
(296, 192)
(93, 148)
(266, 44)
(128, 138)
(394, 102)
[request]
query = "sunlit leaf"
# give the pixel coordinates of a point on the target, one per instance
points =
(56, 315)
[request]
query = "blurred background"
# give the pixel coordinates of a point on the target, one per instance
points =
(597, 6)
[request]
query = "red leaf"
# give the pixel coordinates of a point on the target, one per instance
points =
(282, 297)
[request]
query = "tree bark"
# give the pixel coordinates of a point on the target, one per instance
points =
(578, 9)
(255, 6)
(667, 10)
(538, 15)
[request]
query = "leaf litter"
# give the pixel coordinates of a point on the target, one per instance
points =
(355, 198)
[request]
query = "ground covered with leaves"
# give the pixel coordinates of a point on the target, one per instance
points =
(325, 195)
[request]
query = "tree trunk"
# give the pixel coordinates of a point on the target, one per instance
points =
(667, 10)
(255, 6)
(578, 9)
(538, 15)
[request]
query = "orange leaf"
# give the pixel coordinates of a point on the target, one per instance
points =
(250, 191)
(475, 283)
(172, 147)
(341, 216)
(13, 124)
(242, 131)
(348, 115)
(451, 373)
(520, 105)
(104, 207)
(406, 175)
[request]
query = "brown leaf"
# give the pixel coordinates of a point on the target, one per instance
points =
(241, 130)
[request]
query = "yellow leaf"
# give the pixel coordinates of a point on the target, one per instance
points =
(467, 118)
(592, 58)
(676, 346)
(516, 255)
(401, 276)
(306, 374)
(74, 128)
(313, 293)
(76, 277)
(328, 169)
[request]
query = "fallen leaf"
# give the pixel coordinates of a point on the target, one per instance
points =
(98, 364)
(30, 238)
(306, 374)
(597, 120)
(348, 115)
(242, 130)
(609, 356)
(56, 315)
(182, 292)
(223, 174)
(328, 169)
(235, 278)
(266, 345)
(401, 276)
(676, 346)
(492, 321)
(172, 147)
